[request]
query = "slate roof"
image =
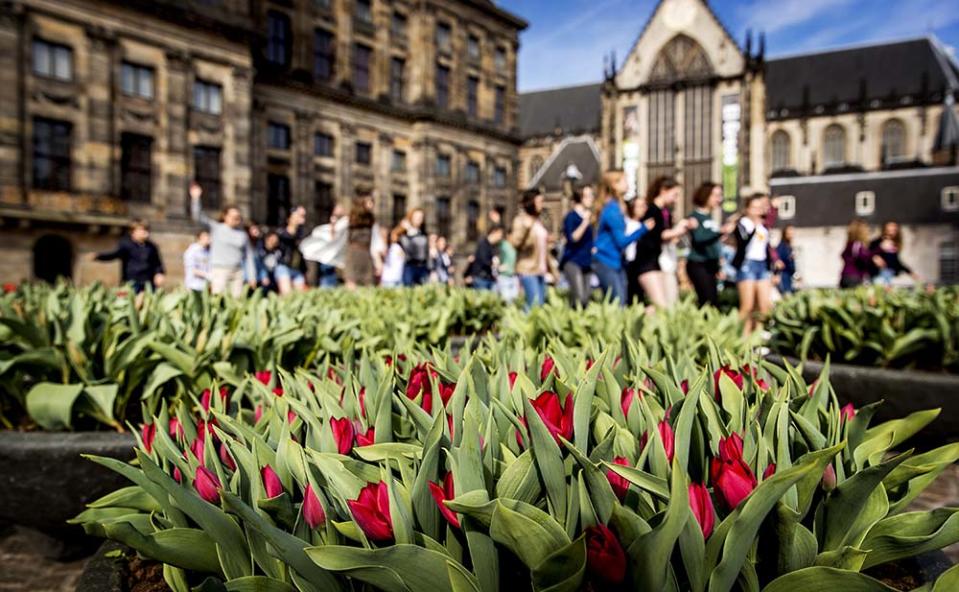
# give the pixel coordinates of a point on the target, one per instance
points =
(580, 151)
(884, 72)
(573, 109)
(911, 196)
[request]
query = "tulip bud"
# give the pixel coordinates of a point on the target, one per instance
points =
(264, 376)
(257, 413)
(207, 485)
(848, 412)
(371, 511)
(443, 493)
(619, 484)
(512, 380)
(148, 432)
(175, 428)
(312, 509)
(548, 364)
(271, 482)
(343, 434)
(829, 478)
(770, 471)
(702, 506)
(669, 439)
(626, 399)
(225, 457)
(605, 558)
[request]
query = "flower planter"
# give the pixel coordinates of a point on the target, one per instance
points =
(903, 392)
(45, 482)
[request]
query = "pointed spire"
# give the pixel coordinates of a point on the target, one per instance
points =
(762, 46)
(749, 44)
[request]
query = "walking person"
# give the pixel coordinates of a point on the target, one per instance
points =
(857, 258)
(326, 246)
(394, 263)
(886, 250)
(196, 263)
(140, 262)
(416, 245)
(753, 261)
(577, 259)
(441, 260)
(660, 197)
(269, 253)
(611, 238)
(231, 255)
(480, 275)
(531, 240)
(290, 272)
(702, 263)
(358, 267)
(507, 284)
(787, 261)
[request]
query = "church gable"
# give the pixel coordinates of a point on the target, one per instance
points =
(683, 40)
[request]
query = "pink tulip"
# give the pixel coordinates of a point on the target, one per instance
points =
(271, 482)
(626, 399)
(669, 439)
(225, 457)
(207, 485)
(702, 506)
(257, 414)
(367, 439)
(264, 376)
(829, 478)
(312, 508)
(770, 471)
(619, 484)
(175, 428)
(343, 434)
(177, 475)
(848, 412)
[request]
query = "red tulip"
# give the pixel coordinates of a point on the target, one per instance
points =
(848, 412)
(343, 434)
(362, 398)
(225, 457)
(512, 380)
(702, 506)
(175, 428)
(605, 558)
(446, 392)
(264, 376)
(257, 413)
(626, 398)
(207, 485)
(148, 433)
(812, 387)
(177, 475)
(197, 449)
(278, 391)
(684, 385)
(730, 474)
(290, 416)
(548, 364)
(770, 471)
(332, 375)
(419, 382)
(445, 493)
(558, 419)
(620, 484)
(9, 287)
(736, 377)
(271, 482)
(366, 439)
(829, 478)
(669, 439)
(371, 510)
(312, 509)
(589, 363)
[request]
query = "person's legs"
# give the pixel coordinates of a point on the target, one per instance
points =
(534, 289)
(299, 280)
(763, 302)
(540, 290)
(421, 274)
(574, 277)
(282, 274)
(610, 282)
(653, 284)
(696, 271)
(747, 300)
(236, 282)
(326, 276)
(218, 279)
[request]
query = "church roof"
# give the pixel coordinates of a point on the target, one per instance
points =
(879, 75)
(572, 110)
(580, 151)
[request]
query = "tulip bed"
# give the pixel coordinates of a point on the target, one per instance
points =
(503, 468)
(871, 326)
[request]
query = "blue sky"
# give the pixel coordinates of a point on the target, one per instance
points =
(566, 39)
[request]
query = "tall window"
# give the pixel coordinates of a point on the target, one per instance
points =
(399, 208)
(697, 134)
(472, 220)
(51, 154)
(364, 153)
(206, 171)
(323, 144)
(473, 48)
(278, 136)
(444, 38)
(277, 199)
(442, 86)
(662, 130)
(499, 59)
(278, 38)
(472, 172)
(364, 11)
(780, 149)
(207, 97)
(499, 105)
(443, 216)
(834, 146)
(136, 167)
(361, 67)
(52, 60)
(472, 96)
(398, 165)
(893, 141)
(499, 177)
(398, 26)
(323, 201)
(136, 80)
(397, 75)
(324, 54)
(443, 166)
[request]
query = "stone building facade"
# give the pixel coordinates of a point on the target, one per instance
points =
(108, 109)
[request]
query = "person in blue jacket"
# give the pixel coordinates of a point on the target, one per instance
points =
(611, 238)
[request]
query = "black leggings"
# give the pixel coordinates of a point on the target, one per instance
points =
(702, 274)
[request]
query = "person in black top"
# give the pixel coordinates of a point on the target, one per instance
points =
(416, 245)
(290, 266)
(702, 263)
(886, 249)
(661, 195)
(479, 273)
(139, 258)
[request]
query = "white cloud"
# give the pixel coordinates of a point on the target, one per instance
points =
(776, 15)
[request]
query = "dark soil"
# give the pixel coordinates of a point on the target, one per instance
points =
(144, 575)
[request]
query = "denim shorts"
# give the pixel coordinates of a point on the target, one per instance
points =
(752, 271)
(284, 272)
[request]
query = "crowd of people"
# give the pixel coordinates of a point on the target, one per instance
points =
(627, 247)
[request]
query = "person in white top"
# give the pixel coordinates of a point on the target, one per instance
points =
(753, 262)
(395, 260)
(326, 246)
(196, 263)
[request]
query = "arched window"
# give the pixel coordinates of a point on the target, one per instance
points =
(535, 164)
(834, 146)
(52, 258)
(893, 141)
(781, 149)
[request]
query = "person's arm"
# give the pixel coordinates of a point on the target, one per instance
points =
(119, 252)
(196, 208)
(249, 266)
(519, 232)
(676, 231)
(574, 232)
(701, 237)
(617, 230)
(157, 259)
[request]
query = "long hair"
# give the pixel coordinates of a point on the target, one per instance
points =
(659, 184)
(701, 196)
(361, 215)
(408, 218)
(607, 184)
(857, 231)
(897, 239)
(528, 201)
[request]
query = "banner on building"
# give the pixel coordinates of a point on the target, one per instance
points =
(732, 116)
(631, 151)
